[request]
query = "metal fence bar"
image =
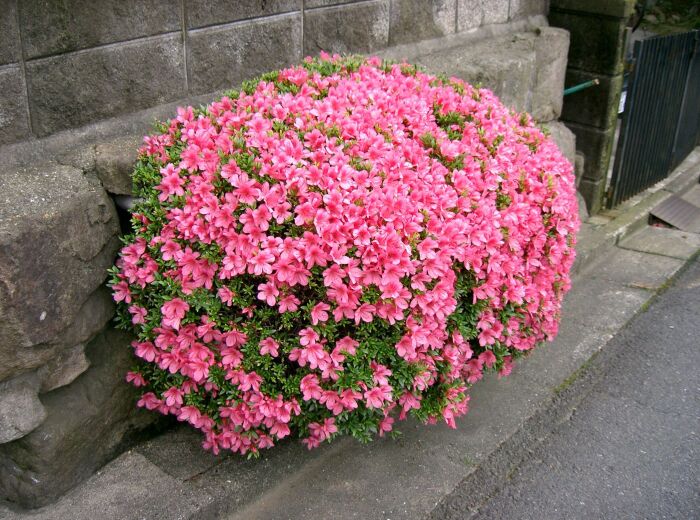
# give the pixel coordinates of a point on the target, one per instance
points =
(688, 129)
(660, 118)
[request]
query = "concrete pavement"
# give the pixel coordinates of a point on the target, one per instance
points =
(630, 448)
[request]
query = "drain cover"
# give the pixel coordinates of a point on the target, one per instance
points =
(680, 213)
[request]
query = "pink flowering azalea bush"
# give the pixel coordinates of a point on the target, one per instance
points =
(337, 246)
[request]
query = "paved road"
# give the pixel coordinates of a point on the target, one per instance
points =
(630, 450)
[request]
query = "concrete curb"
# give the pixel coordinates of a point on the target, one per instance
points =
(429, 469)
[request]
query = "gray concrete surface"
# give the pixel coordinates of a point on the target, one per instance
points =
(630, 449)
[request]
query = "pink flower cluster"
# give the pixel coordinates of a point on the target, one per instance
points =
(346, 243)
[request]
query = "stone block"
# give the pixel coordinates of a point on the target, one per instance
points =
(21, 410)
(597, 44)
(14, 118)
(10, 51)
(504, 64)
(564, 138)
(616, 8)
(311, 4)
(74, 89)
(595, 106)
(114, 163)
(596, 146)
(223, 57)
(86, 423)
(414, 20)
(63, 368)
(475, 13)
(582, 208)
(525, 8)
(579, 165)
(202, 13)
(58, 236)
(347, 28)
(551, 47)
(592, 192)
(55, 27)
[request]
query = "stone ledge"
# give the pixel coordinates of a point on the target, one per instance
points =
(85, 424)
(616, 8)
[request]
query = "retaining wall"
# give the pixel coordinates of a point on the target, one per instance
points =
(66, 63)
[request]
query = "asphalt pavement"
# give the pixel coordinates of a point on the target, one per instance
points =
(630, 449)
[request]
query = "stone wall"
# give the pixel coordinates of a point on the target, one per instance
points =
(67, 63)
(598, 32)
(64, 408)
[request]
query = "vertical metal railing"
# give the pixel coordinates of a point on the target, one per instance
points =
(662, 90)
(689, 122)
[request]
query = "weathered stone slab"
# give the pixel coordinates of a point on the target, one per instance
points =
(201, 13)
(618, 8)
(58, 236)
(582, 208)
(114, 163)
(14, 118)
(592, 192)
(602, 54)
(635, 269)
(85, 424)
(56, 27)
(505, 65)
(596, 145)
(74, 89)
(594, 106)
(579, 166)
(475, 13)
(310, 4)
(20, 408)
(63, 368)
(223, 57)
(128, 488)
(9, 35)
(551, 48)
(523, 8)
(414, 20)
(347, 28)
(663, 241)
(565, 139)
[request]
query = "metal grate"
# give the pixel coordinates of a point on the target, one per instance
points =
(661, 113)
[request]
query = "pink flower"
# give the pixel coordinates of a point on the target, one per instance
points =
(269, 346)
(145, 350)
(487, 358)
(319, 314)
(289, 303)
(268, 293)
(173, 312)
(135, 379)
(138, 314)
(376, 396)
(225, 295)
(385, 425)
(364, 312)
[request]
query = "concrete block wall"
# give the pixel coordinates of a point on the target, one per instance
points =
(598, 31)
(64, 64)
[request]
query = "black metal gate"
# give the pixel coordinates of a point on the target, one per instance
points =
(660, 121)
